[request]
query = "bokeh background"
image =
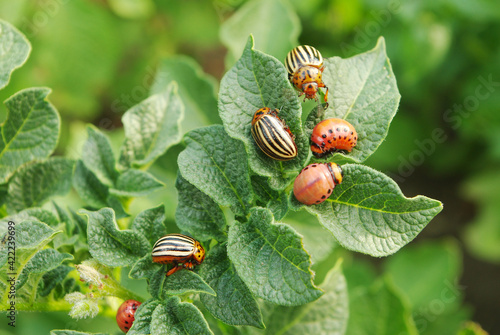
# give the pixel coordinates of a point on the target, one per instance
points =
(100, 57)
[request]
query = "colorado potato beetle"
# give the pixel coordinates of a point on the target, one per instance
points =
(181, 250)
(333, 135)
(272, 136)
(125, 314)
(305, 66)
(316, 182)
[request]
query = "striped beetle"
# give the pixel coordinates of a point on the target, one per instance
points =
(305, 66)
(272, 136)
(181, 250)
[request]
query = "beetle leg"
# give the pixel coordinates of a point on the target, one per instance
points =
(188, 265)
(174, 270)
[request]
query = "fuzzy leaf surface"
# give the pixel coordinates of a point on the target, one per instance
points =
(258, 80)
(98, 156)
(326, 316)
(176, 317)
(30, 131)
(43, 261)
(216, 165)
(109, 245)
(35, 183)
(234, 304)
(14, 51)
(363, 91)
(143, 317)
(135, 183)
(197, 213)
(270, 259)
(151, 127)
(151, 223)
(276, 201)
(368, 213)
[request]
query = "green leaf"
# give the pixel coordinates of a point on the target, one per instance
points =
(31, 234)
(379, 310)
(197, 213)
(482, 235)
(368, 213)
(94, 192)
(151, 223)
(52, 278)
(35, 183)
(216, 165)
(258, 80)
(234, 304)
(151, 127)
(326, 316)
(143, 317)
(156, 281)
(133, 9)
(43, 261)
(176, 317)
(30, 237)
(424, 271)
(181, 282)
(318, 242)
(363, 91)
(111, 246)
(14, 51)
(34, 214)
(276, 201)
(260, 18)
(196, 90)
(427, 274)
(185, 281)
(471, 328)
(21, 237)
(144, 268)
(89, 187)
(98, 156)
(136, 183)
(270, 259)
(30, 131)
(72, 332)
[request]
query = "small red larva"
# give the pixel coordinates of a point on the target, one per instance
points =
(333, 135)
(125, 314)
(316, 182)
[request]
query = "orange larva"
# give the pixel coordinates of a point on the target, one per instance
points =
(125, 314)
(316, 182)
(332, 135)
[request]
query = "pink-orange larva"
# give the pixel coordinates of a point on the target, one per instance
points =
(316, 182)
(125, 314)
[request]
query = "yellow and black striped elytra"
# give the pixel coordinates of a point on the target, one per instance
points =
(305, 67)
(303, 55)
(272, 136)
(181, 250)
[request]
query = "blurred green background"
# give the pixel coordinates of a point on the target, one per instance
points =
(100, 57)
